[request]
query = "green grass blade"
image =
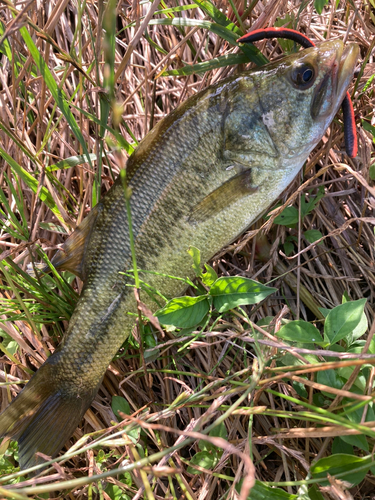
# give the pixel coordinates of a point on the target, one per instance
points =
(72, 161)
(54, 89)
(230, 36)
(32, 183)
(217, 62)
(124, 144)
(217, 16)
(22, 230)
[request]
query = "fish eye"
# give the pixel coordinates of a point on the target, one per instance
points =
(303, 76)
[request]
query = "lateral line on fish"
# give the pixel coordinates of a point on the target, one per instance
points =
(108, 312)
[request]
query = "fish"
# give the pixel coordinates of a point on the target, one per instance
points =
(199, 178)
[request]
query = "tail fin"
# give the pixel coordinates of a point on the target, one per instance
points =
(42, 417)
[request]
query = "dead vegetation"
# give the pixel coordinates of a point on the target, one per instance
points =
(194, 380)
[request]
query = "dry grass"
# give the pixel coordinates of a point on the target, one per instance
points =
(212, 370)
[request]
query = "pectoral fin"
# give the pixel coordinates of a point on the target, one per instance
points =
(72, 254)
(228, 193)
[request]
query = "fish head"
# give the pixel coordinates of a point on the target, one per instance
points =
(297, 99)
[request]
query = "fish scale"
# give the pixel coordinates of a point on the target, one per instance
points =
(200, 177)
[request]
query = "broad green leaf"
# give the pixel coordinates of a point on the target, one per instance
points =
(338, 464)
(262, 492)
(332, 379)
(357, 347)
(288, 248)
(7, 466)
(133, 433)
(354, 412)
(288, 217)
(370, 128)
(10, 344)
(300, 389)
(120, 404)
(320, 401)
(360, 441)
(342, 320)
(340, 446)
(210, 276)
(204, 459)
(308, 206)
(312, 235)
(232, 291)
(148, 338)
(345, 297)
(324, 311)
(195, 254)
(360, 381)
(115, 492)
(289, 359)
(359, 330)
(218, 431)
(207, 446)
(289, 244)
(184, 312)
(314, 493)
(300, 331)
(319, 4)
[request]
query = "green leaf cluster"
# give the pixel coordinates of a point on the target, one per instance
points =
(346, 322)
(210, 454)
(119, 404)
(289, 217)
(222, 294)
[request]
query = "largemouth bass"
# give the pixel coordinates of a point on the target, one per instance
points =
(200, 177)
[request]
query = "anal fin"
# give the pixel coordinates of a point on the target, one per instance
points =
(72, 254)
(228, 193)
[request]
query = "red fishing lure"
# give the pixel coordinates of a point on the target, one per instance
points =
(350, 131)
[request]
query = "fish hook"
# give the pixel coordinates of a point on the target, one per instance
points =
(350, 131)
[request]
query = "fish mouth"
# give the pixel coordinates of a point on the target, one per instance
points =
(347, 63)
(338, 64)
